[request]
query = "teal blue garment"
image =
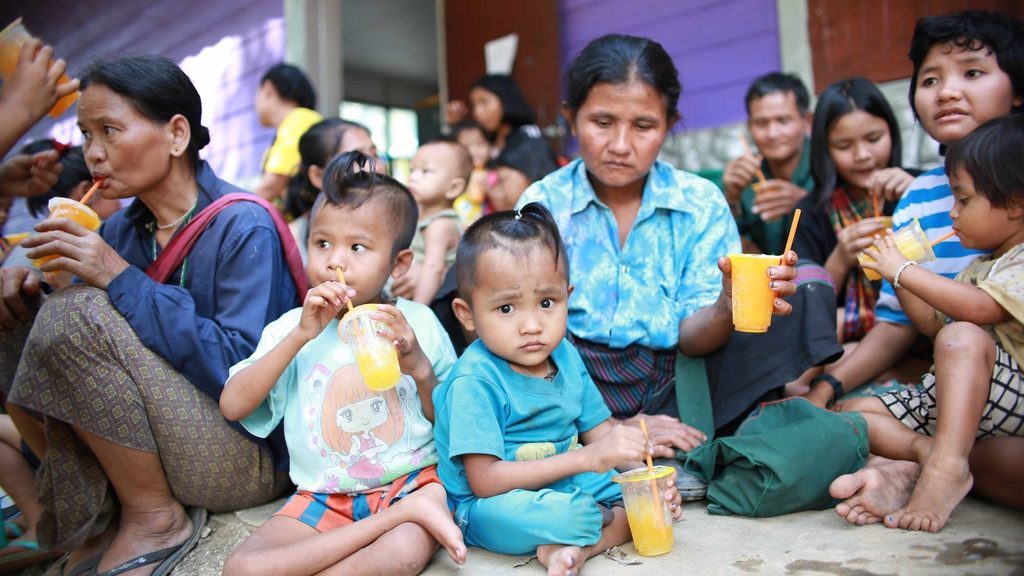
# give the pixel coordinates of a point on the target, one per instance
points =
(781, 459)
(484, 407)
(342, 437)
(668, 268)
(518, 521)
(771, 236)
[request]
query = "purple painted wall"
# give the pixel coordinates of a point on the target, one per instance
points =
(719, 46)
(223, 45)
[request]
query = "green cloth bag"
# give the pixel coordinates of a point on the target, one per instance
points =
(781, 459)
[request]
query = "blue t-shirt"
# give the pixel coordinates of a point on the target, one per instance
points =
(667, 269)
(343, 437)
(484, 407)
(929, 199)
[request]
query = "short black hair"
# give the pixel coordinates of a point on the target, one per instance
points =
(291, 84)
(350, 181)
(779, 82)
(467, 125)
(971, 30)
(316, 147)
(157, 88)
(991, 156)
(463, 161)
(620, 59)
(517, 232)
(533, 157)
(838, 100)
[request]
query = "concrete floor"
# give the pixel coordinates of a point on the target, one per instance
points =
(981, 539)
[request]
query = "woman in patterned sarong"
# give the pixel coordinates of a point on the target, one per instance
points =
(114, 381)
(651, 312)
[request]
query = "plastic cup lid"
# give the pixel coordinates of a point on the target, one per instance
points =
(641, 474)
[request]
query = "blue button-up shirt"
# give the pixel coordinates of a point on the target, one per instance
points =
(667, 269)
(236, 283)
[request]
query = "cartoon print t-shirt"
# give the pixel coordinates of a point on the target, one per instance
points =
(343, 437)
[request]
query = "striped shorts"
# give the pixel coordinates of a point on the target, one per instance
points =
(1003, 414)
(325, 512)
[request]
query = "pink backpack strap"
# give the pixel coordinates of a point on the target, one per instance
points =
(178, 248)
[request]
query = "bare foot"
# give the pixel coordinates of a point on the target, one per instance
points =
(943, 484)
(144, 533)
(881, 487)
(428, 507)
(561, 560)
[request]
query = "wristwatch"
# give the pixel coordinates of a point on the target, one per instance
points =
(837, 386)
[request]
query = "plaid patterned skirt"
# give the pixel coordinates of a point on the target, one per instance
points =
(83, 366)
(1003, 414)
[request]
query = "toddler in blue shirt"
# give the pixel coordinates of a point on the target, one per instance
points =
(526, 444)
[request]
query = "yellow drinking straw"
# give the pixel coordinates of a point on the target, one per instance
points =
(341, 278)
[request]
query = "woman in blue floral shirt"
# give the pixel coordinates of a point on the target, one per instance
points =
(647, 246)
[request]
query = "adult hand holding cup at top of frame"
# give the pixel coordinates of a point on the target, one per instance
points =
(33, 80)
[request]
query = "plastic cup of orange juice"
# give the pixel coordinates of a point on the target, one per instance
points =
(884, 223)
(649, 516)
(911, 242)
(376, 356)
(752, 296)
(72, 210)
(11, 39)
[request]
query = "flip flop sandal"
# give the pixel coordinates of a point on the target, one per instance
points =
(88, 567)
(168, 557)
(11, 532)
(32, 554)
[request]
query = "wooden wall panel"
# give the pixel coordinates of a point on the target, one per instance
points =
(223, 45)
(871, 38)
(719, 46)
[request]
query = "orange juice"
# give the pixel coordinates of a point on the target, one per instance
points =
(649, 516)
(11, 39)
(379, 367)
(72, 210)
(911, 241)
(650, 537)
(752, 296)
(885, 224)
(376, 356)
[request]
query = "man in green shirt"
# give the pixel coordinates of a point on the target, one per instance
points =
(779, 120)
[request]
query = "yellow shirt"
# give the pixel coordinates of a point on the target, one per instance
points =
(1003, 279)
(283, 155)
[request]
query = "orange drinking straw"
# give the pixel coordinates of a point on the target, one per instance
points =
(95, 186)
(654, 483)
(746, 147)
(341, 278)
(643, 428)
(792, 232)
(944, 237)
(876, 205)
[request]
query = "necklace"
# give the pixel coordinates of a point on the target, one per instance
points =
(549, 374)
(187, 213)
(187, 217)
